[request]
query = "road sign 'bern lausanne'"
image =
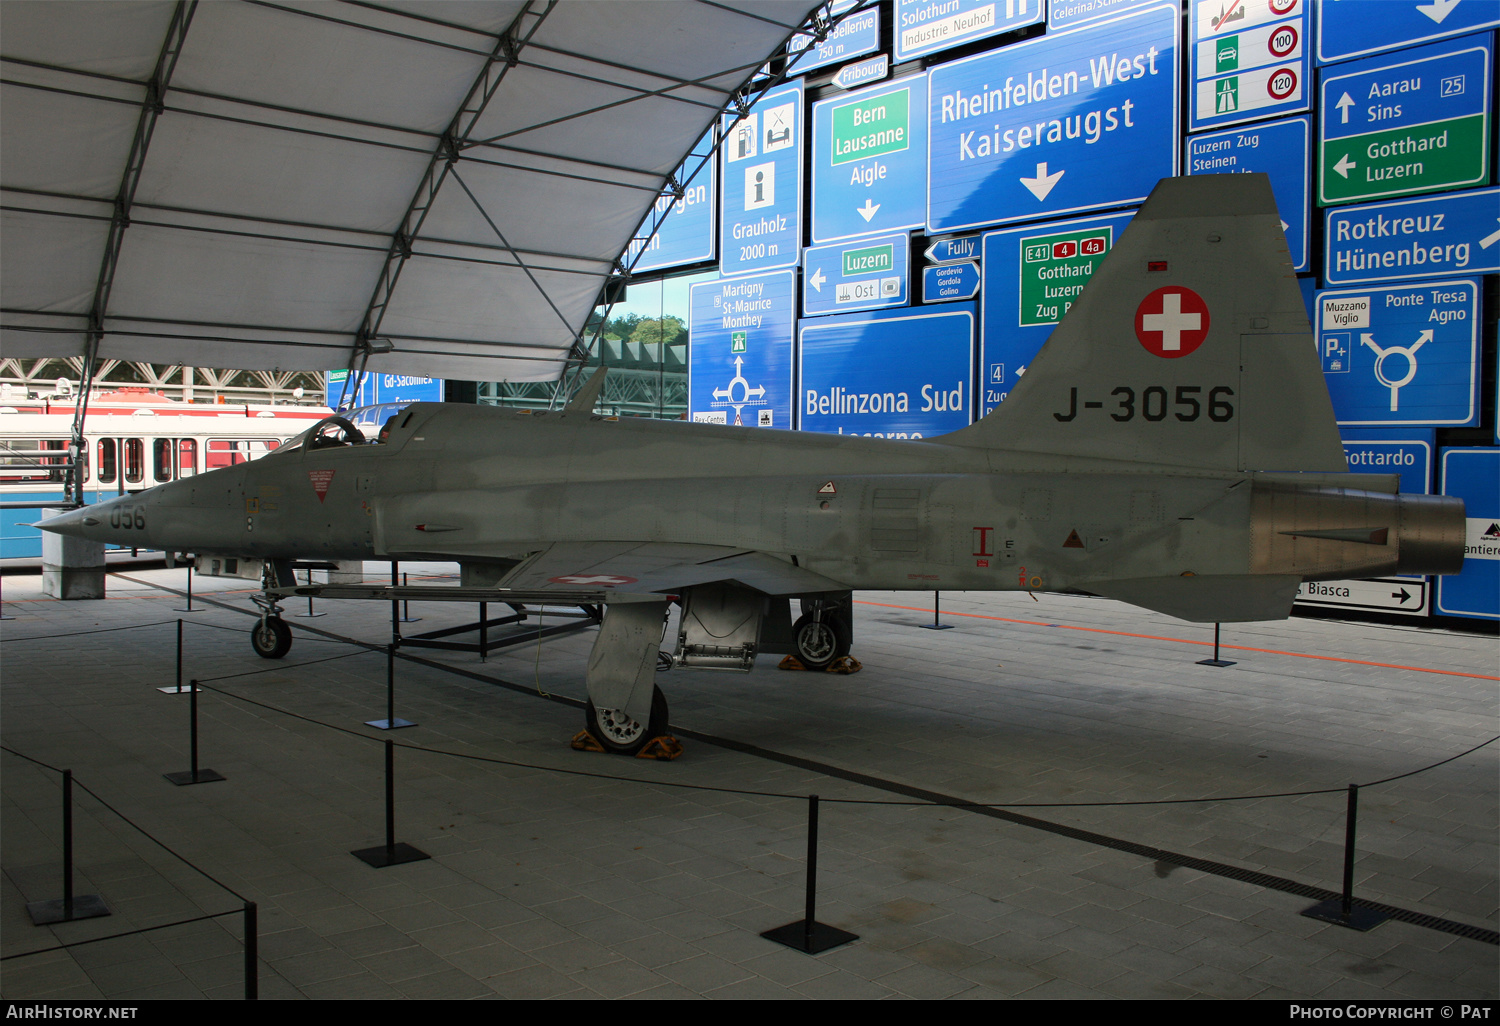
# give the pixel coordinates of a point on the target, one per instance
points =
(870, 160)
(1074, 121)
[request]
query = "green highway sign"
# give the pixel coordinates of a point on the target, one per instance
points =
(1054, 268)
(1408, 122)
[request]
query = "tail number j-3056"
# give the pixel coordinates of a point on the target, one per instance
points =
(1187, 403)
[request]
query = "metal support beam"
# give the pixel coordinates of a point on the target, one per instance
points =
(151, 108)
(501, 59)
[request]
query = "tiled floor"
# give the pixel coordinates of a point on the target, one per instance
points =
(543, 884)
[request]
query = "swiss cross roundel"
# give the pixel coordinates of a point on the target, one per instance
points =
(598, 580)
(1171, 322)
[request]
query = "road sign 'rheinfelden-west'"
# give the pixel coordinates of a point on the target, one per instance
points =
(1413, 121)
(1074, 121)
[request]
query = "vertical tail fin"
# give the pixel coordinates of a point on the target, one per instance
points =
(1190, 346)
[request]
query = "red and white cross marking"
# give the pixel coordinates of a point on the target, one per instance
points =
(603, 580)
(1172, 322)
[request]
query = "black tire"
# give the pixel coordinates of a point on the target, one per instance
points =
(819, 643)
(623, 736)
(271, 638)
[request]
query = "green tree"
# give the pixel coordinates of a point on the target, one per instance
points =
(656, 330)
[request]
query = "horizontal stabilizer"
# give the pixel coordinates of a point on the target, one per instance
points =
(1228, 599)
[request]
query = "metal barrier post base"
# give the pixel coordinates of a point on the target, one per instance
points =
(395, 724)
(810, 941)
(56, 910)
(1356, 918)
(395, 855)
(203, 776)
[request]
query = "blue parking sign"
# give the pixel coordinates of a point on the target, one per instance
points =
(1401, 354)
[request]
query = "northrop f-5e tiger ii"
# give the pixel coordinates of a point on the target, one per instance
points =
(1172, 446)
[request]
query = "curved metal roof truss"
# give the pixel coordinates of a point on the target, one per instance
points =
(432, 187)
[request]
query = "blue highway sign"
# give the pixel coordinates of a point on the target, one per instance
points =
(947, 251)
(1400, 123)
(1066, 14)
(865, 274)
(681, 227)
(1406, 452)
(1031, 277)
(740, 350)
(892, 374)
(1472, 475)
(927, 26)
(1401, 354)
(1280, 149)
(1432, 236)
(872, 69)
(1061, 123)
(946, 283)
(870, 160)
(854, 36)
(1355, 28)
(760, 227)
(1249, 59)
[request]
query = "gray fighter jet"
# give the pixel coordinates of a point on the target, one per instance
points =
(1172, 446)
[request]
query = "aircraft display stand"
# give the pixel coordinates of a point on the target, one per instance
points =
(588, 611)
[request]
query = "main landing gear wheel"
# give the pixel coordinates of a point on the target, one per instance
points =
(271, 638)
(620, 734)
(820, 642)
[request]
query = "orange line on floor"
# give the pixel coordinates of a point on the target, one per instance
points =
(1189, 641)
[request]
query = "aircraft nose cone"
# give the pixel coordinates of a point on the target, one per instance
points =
(73, 523)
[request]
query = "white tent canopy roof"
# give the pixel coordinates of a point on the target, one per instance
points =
(266, 184)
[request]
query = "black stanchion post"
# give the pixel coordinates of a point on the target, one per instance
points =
(189, 607)
(484, 615)
(406, 616)
(194, 775)
(808, 935)
(309, 614)
(252, 951)
(390, 722)
(176, 689)
(390, 853)
(937, 619)
(1341, 910)
(3, 614)
(1216, 661)
(69, 907)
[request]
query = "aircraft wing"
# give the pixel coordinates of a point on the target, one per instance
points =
(655, 567)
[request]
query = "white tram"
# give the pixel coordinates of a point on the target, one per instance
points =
(134, 439)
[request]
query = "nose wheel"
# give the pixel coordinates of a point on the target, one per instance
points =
(271, 638)
(619, 733)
